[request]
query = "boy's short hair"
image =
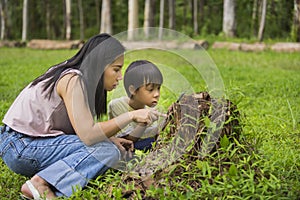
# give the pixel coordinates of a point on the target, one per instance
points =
(141, 72)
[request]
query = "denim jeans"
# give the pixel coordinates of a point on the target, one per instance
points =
(63, 161)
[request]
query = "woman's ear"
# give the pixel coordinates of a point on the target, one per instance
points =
(132, 90)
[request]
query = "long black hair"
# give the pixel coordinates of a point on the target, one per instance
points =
(54, 73)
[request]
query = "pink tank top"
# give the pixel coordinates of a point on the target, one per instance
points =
(34, 114)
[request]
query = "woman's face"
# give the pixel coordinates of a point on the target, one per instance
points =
(113, 74)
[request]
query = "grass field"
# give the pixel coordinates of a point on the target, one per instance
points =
(266, 88)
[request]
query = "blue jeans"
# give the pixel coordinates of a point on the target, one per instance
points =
(63, 161)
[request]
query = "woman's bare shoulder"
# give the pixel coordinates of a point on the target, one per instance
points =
(67, 80)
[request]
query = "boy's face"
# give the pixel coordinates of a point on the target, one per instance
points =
(147, 95)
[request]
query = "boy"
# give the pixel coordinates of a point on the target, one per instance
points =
(142, 82)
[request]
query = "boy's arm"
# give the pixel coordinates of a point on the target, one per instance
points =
(151, 130)
(136, 133)
(115, 108)
(131, 132)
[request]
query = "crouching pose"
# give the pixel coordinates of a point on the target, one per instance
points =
(53, 133)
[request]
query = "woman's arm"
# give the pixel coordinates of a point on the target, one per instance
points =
(70, 88)
(133, 131)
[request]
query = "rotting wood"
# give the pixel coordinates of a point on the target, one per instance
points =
(186, 121)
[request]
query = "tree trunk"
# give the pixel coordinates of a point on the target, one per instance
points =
(154, 11)
(106, 21)
(161, 18)
(48, 19)
(133, 18)
(229, 18)
(68, 19)
(2, 21)
(81, 20)
(286, 47)
(8, 20)
(147, 17)
(262, 20)
(185, 5)
(253, 20)
(97, 7)
(296, 24)
(195, 17)
(171, 14)
(25, 20)
(201, 12)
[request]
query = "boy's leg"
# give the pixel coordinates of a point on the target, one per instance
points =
(144, 144)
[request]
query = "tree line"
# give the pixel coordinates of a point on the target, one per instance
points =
(78, 19)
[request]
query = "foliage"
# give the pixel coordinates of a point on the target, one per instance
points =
(278, 21)
(263, 165)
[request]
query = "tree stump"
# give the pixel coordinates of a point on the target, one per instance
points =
(189, 121)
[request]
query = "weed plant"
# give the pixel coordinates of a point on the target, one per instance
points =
(264, 164)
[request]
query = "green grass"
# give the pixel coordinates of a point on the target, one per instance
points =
(264, 165)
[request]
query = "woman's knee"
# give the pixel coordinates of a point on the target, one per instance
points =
(112, 150)
(105, 152)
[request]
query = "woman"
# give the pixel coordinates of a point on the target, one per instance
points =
(50, 132)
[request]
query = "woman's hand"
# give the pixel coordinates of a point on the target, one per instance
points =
(125, 146)
(146, 116)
